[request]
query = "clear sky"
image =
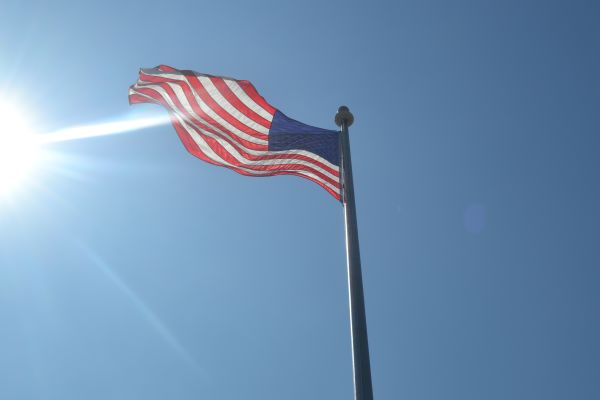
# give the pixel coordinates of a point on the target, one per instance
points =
(131, 270)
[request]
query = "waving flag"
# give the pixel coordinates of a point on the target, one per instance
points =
(226, 122)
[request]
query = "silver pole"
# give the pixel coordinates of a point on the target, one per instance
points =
(363, 389)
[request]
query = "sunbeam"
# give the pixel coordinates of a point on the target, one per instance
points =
(23, 149)
(101, 129)
(146, 312)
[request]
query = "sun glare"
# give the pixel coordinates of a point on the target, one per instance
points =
(21, 149)
(18, 150)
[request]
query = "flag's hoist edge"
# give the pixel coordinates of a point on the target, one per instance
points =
(226, 122)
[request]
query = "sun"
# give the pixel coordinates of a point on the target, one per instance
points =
(18, 149)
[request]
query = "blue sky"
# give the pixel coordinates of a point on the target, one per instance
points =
(131, 270)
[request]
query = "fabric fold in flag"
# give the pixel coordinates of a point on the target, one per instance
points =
(226, 122)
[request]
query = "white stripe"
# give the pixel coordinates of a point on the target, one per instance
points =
(235, 153)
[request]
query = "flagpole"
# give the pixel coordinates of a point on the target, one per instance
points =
(361, 364)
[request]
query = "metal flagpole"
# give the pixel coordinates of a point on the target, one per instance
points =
(361, 364)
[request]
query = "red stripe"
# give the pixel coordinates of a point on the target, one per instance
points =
(166, 68)
(258, 99)
(235, 101)
(336, 194)
(136, 99)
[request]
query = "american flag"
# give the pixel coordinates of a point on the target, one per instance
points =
(226, 122)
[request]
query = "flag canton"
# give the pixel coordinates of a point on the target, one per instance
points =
(289, 134)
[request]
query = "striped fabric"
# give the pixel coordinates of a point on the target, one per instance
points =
(226, 122)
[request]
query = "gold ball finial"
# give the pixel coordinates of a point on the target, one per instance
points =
(344, 116)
